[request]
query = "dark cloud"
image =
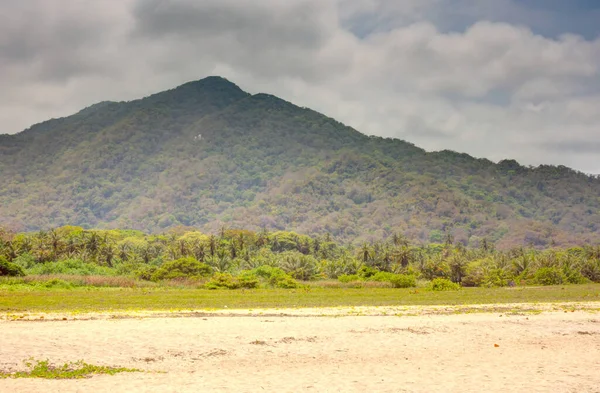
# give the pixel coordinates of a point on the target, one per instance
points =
(268, 38)
(54, 40)
(251, 23)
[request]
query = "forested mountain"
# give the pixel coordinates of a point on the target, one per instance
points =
(207, 154)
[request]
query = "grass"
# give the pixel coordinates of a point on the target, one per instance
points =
(68, 281)
(181, 299)
(72, 370)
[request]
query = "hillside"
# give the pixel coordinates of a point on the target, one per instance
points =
(207, 154)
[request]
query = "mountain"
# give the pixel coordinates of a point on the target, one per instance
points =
(207, 154)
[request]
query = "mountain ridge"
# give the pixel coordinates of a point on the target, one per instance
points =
(208, 154)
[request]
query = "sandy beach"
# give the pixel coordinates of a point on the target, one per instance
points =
(315, 350)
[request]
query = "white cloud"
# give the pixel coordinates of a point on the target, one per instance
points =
(492, 89)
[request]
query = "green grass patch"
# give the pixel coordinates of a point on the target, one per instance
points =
(123, 299)
(72, 370)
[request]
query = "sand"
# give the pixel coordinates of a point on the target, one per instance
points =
(316, 350)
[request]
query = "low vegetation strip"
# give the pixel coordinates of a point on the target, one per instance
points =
(71, 370)
(185, 299)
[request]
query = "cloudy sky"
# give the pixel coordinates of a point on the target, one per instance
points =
(493, 78)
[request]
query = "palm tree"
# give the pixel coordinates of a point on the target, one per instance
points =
(123, 252)
(183, 248)
(365, 253)
(233, 250)
(221, 262)
(399, 240)
(212, 245)
(108, 253)
(93, 244)
(199, 251)
(146, 253)
(56, 243)
(263, 238)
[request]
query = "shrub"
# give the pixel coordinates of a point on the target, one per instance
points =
(397, 280)
(346, 278)
(442, 284)
(10, 269)
(183, 267)
(367, 271)
(496, 278)
(549, 276)
(275, 277)
(284, 281)
(590, 269)
(146, 272)
(127, 268)
(575, 277)
(57, 283)
(223, 281)
(248, 280)
(25, 260)
(382, 277)
(474, 275)
(403, 281)
(70, 267)
(267, 271)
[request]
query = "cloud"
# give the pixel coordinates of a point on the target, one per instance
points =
(578, 146)
(501, 79)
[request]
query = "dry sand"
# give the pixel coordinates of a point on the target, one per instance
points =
(427, 349)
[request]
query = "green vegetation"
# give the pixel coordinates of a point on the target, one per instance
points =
(72, 370)
(235, 259)
(442, 284)
(81, 300)
(10, 269)
(207, 154)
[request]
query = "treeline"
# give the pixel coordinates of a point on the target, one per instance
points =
(241, 258)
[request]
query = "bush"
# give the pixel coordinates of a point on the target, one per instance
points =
(442, 284)
(57, 283)
(183, 267)
(397, 280)
(496, 278)
(475, 275)
(267, 271)
(590, 269)
(146, 272)
(549, 276)
(346, 278)
(223, 281)
(10, 269)
(403, 281)
(284, 281)
(25, 260)
(70, 267)
(367, 271)
(575, 277)
(248, 280)
(275, 277)
(382, 277)
(228, 281)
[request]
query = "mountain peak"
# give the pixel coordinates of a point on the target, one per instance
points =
(210, 82)
(213, 91)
